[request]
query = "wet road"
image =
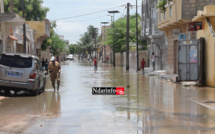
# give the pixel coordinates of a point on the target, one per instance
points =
(150, 105)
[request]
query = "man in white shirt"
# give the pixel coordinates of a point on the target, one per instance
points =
(153, 58)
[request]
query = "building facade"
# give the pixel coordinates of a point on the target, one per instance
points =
(175, 20)
(207, 17)
(151, 33)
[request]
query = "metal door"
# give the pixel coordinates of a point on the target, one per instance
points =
(188, 60)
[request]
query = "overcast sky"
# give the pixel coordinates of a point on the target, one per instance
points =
(75, 26)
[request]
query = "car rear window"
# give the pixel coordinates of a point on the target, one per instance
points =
(16, 61)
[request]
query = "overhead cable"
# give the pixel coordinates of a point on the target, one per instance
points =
(87, 14)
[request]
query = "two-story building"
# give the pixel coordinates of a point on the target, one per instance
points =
(151, 33)
(175, 20)
(207, 17)
(41, 33)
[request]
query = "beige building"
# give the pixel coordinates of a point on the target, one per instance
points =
(7, 23)
(41, 33)
(174, 21)
(207, 16)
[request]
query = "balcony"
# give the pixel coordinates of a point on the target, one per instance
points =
(172, 17)
(41, 29)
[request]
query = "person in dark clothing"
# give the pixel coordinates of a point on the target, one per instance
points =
(95, 64)
(46, 64)
(43, 63)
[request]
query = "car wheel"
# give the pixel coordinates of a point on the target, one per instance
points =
(35, 92)
(7, 92)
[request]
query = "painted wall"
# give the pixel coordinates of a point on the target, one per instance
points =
(121, 58)
(41, 29)
(209, 45)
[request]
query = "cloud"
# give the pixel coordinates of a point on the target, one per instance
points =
(69, 8)
(71, 31)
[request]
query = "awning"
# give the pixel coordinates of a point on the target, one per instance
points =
(13, 38)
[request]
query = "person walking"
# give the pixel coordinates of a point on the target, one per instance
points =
(95, 63)
(142, 65)
(153, 58)
(54, 70)
(46, 64)
(107, 58)
(43, 63)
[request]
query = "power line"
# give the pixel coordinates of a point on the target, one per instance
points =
(84, 20)
(87, 13)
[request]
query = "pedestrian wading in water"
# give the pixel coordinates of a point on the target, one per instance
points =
(95, 63)
(142, 65)
(54, 70)
(153, 58)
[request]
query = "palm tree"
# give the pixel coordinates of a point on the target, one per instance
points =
(93, 32)
(86, 42)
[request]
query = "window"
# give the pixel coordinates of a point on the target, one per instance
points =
(159, 16)
(16, 61)
(164, 15)
(170, 11)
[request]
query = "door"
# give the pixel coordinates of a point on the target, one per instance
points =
(188, 60)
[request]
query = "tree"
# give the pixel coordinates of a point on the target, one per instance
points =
(33, 9)
(119, 33)
(72, 48)
(57, 44)
(92, 31)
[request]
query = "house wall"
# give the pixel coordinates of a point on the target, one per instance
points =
(41, 29)
(182, 13)
(209, 45)
(121, 58)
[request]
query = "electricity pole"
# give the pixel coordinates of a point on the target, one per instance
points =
(137, 39)
(24, 29)
(127, 37)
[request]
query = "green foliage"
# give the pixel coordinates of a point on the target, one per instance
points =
(72, 48)
(161, 5)
(119, 34)
(33, 9)
(87, 41)
(57, 44)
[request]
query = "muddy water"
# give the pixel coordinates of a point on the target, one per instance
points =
(150, 105)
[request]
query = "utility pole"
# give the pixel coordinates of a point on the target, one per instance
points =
(127, 37)
(137, 39)
(24, 29)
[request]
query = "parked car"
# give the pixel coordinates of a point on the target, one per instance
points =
(21, 72)
(70, 57)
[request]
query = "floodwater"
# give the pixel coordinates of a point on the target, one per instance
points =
(150, 105)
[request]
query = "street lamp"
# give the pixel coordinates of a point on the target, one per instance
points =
(113, 12)
(24, 26)
(103, 59)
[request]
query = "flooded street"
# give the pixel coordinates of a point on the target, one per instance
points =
(150, 105)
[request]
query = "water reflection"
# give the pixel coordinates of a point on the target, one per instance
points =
(22, 109)
(157, 106)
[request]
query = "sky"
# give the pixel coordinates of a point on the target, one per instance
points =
(77, 21)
